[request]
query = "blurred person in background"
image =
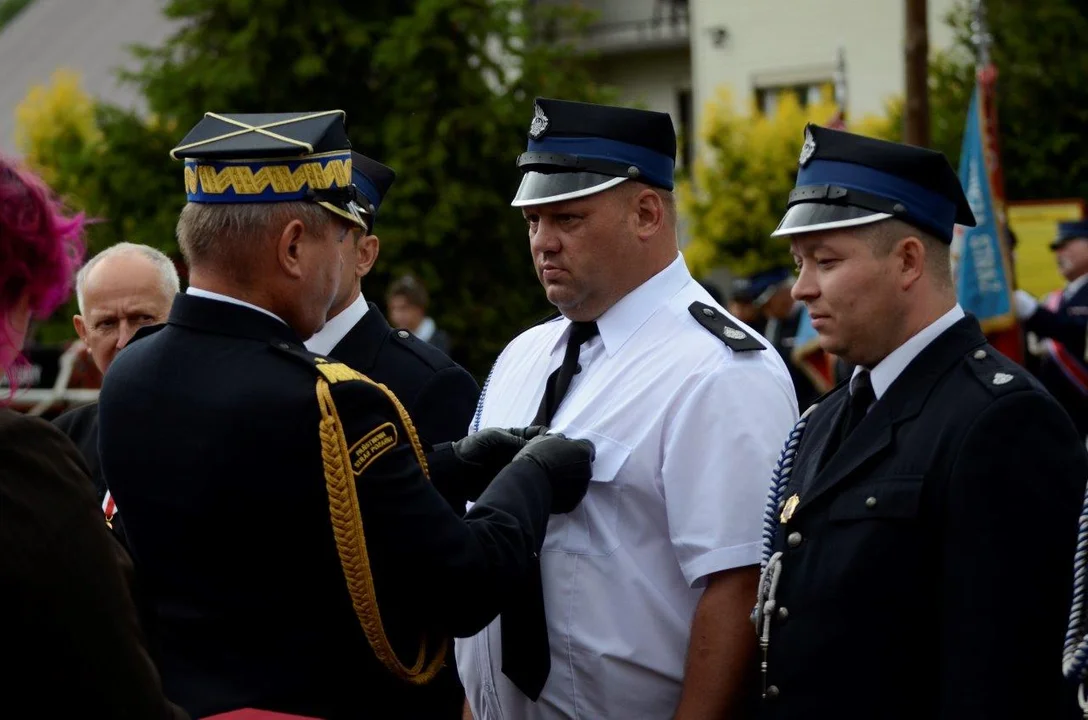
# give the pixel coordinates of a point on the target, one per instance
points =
(72, 642)
(120, 290)
(782, 315)
(742, 304)
(407, 303)
(1060, 322)
(439, 394)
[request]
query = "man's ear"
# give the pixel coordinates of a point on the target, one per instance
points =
(911, 252)
(366, 255)
(651, 213)
(81, 327)
(288, 248)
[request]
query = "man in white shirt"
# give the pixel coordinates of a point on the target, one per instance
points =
(643, 606)
(920, 537)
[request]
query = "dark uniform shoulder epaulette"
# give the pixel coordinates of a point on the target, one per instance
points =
(332, 370)
(998, 377)
(722, 327)
(422, 350)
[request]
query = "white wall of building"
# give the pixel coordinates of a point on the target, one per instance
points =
(790, 42)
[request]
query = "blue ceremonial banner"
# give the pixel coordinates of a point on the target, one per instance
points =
(983, 279)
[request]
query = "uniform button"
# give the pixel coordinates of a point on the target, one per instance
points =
(980, 355)
(772, 692)
(283, 346)
(870, 502)
(794, 539)
(403, 334)
(487, 688)
(708, 312)
(783, 614)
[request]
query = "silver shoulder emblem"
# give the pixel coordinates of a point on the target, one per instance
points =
(734, 334)
(1002, 378)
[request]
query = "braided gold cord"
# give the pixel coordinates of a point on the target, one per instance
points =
(347, 526)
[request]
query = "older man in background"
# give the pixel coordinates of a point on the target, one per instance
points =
(123, 288)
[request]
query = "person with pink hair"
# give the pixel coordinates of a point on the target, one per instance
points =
(72, 641)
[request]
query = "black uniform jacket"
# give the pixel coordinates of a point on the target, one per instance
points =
(72, 644)
(1068, 326)
(927, 567)
(296, 554)
(439, 394)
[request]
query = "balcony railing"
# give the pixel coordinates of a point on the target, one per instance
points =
(666, 28)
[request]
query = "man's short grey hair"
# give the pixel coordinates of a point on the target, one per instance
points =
(168, 273)
(225, 235)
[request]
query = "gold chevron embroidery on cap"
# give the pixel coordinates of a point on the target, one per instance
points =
(262, 129)
(247, 181)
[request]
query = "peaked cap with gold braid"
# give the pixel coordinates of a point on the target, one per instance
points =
(343, 463)
(272, 157)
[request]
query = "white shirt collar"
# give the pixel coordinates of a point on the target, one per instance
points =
(619, 322)
(426, 329)
(891, 367)
(336, 327)
(1074, 287)
(201, 292)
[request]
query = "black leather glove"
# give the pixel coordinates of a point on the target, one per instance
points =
(568, 464)
(483, 454)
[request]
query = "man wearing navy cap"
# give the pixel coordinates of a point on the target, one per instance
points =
(641, 606)
(438, 393)
(919, 539)
(277, 502)
(1061, 321)
(742, 306)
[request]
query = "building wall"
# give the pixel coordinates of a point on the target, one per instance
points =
(659, 80)
(746, 45)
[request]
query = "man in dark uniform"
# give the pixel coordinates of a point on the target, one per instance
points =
(277, 503)
(917, 557)
(782, 316)
(1061, 322)
(439, 394)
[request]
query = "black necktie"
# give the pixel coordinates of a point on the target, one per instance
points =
(559, 381)
(861, 398)
(526, 657)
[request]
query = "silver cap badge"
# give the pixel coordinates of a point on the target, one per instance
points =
(539, 124)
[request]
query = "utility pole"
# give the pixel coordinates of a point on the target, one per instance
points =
(916, 117)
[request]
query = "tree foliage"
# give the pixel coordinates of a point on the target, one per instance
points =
(440, 90)
(1042, 97)
(740, 185)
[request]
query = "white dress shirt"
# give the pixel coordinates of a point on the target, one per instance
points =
(891, 367)
(686, 433)
(328, 337)
(201, 292)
